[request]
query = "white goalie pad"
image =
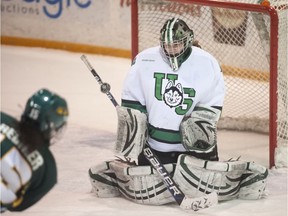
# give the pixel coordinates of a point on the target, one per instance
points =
(254, 184)
(131, 132)
(139, 184)
(233, 179)
(103, 181)
(142, 184)
(199, 130)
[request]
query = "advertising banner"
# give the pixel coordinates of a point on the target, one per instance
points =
(87, 22)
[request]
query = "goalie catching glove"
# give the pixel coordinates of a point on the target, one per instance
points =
(199, 129)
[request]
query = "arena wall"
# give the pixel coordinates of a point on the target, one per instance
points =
(92, 26)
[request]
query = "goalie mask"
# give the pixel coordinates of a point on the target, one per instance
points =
(47, 112)
(176, 39)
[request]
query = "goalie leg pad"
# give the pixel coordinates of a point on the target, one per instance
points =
(131, 132)
(141, 184)
(103, 181)
(197, 177)
(254, 182)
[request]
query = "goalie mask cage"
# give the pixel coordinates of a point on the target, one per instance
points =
(250, 42)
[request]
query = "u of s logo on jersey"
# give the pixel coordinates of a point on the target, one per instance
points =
(174, 95)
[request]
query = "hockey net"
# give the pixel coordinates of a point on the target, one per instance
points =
(249, 39)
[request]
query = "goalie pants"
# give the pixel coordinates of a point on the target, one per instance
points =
(172, 157)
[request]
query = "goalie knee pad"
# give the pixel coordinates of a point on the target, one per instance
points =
(131, 132)
(103, 181)
(199, 130)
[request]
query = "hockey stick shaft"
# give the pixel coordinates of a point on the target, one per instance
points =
(169, 182)
(183, 201)
(105, 87)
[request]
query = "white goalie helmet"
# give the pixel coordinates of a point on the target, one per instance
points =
(176, 39)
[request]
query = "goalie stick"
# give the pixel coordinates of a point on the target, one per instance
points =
(183, 201)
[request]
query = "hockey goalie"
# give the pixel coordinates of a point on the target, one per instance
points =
(171, 102)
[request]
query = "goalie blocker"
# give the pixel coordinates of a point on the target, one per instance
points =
(131, 132)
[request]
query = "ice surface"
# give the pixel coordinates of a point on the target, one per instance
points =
(90, 136)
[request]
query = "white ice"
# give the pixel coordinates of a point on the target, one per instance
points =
(90, 136)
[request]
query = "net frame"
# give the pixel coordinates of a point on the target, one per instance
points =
(273, 49)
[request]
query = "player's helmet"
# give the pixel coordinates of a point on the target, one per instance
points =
(47, 112)
(176, 39)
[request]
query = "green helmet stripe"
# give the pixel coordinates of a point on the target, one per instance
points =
(169, 31)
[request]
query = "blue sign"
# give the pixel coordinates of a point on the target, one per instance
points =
(51, 8)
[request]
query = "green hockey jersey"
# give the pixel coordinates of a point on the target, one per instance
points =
(25, 176)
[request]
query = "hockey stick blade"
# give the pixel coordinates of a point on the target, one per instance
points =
(184, 201)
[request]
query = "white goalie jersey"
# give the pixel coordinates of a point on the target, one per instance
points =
(169, 95)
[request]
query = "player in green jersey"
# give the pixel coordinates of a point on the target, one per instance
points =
(28, 168)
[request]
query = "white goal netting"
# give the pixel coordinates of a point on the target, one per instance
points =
(239, 35)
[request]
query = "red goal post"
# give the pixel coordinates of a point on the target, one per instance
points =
(250, 42)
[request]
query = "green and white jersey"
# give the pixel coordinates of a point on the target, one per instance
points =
(25, 177)
(167, 96)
